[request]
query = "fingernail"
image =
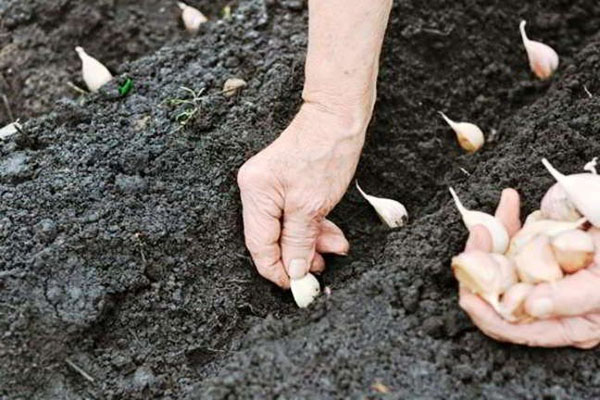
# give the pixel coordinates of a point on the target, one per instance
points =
(298, 268)
(541, 308)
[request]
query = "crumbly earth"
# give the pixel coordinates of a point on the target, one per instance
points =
(123, 273)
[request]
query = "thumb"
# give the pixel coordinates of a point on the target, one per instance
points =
(298, 242)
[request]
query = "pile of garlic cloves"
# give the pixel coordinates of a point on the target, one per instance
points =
(560, 238)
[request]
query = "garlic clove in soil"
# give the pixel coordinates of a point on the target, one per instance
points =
(494, 226)
(507, 269)
(391, 212)
(469, 136)
(479, 272)
(536, 262)
(557, 206)
(513, 302)
(95, 74)
(544, 227)
(583, 190)
(192, 17)
(305, 290)
(232, 86)
(543, 60)
(573, 250)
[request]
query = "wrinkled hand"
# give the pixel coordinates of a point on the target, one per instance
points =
(288, 189)
(568, 311)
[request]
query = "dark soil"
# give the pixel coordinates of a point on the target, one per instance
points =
(121, 249)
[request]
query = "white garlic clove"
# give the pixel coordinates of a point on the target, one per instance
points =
(535, 216)
(545, 227)
(95, 74)
(508, 271)
(543, 60)
(583, 190)
(391, 212)
(591, 166)
(494, 226)
(557, 206)
(469, 136)
(232, 86)
(536, 262)
(305, 290)
(192, 17)
(513, 302)
(573, 250)
(477, 271)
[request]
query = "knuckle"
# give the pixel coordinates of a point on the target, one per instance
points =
(250, 173)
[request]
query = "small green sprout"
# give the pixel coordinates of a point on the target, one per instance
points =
(190, 105)
(126, 87)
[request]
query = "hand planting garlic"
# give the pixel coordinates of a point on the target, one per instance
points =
(469, 136)
(391, 212)
(493, 225)
(95, 74)
(232, 86)
(305, 290)
(582, 189)
(543, 60)
(192, 17)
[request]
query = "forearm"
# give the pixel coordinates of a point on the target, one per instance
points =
(345, 38)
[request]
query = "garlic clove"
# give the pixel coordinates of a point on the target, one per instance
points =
(535, 216)
(595, 235)
(591, 166)
(583, 190)
(508, 271)
(192, 17)
(469, 136)
(95, 74)
(494, 226)
(305, 290)
(391, 212)
(479, 273)
(573, 250)
(556, 205)
(536, 262)
(232, 86)
(543, 60)
(513, 302)
(545, 227)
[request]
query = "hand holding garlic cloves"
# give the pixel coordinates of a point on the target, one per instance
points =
(557, 301)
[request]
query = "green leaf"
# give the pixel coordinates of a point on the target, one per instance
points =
(126, 87)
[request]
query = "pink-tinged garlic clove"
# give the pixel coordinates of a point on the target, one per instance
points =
(557, 206)
(95, 74)
(513, 302)
(545, 227)
(192, 17)
(508, 271)
(543, 60)
(469, 136)
(494, 226)
(535, 216)
(582, 189)
(536, 262)
(573, 250)
(477, 271)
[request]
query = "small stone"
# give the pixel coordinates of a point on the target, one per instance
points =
(232, 86)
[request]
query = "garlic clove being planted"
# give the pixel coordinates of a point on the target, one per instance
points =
(479, 273)
(192, 17)
(536, 262)
(469, 136)
(573, 250)
(583, 190)
(232, 86)
(545, 227)
(557, 206)
(95, 74)
(513, 302)
(507, 269)
(391, 212)
(305, 289)
(494, 226)
(543, 60)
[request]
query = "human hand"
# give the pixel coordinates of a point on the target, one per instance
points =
(288, 189)
(568, 311)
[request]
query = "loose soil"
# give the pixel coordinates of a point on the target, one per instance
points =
(123, 273)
